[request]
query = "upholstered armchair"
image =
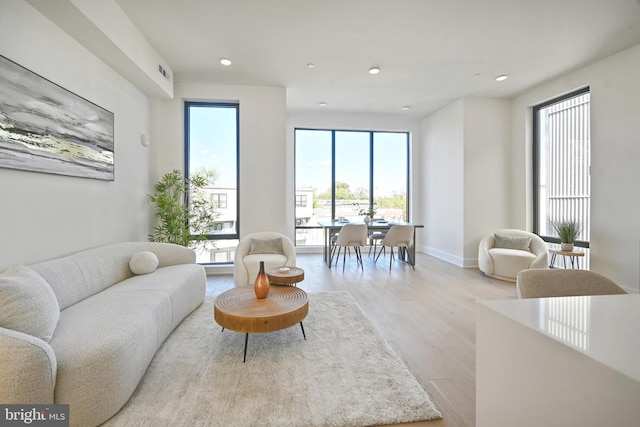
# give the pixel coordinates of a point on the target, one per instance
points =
(506, 252)
(275, 249)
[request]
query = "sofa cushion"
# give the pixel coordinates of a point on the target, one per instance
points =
(78, 276)
(512, 242)
(266, 246)
(28, 303)
(143, 262)
(103, 346)
(105, 343)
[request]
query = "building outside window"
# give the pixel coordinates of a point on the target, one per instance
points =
(211, 144)
(340, 172)
(562, 156)
(301, 200)
(219, 200)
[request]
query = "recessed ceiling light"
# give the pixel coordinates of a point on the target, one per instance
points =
(311, 65)
(322, 104)
(406, 107)
(225, 61)
(502, 78)
(374, 70)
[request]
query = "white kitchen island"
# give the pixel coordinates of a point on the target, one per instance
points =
(571, 361)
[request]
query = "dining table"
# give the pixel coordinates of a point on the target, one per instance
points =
(332, 227)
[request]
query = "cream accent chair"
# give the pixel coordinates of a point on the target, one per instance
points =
(516, 250)
(354, 235)
(401, 237)
(564, 283)
(261, 246)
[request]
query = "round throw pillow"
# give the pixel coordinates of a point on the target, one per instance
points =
(29, 305)
(144, 262)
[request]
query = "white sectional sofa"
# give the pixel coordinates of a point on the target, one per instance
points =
(82, 329)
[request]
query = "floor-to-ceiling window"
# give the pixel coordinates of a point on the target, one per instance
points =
(339, 173)
(562, 179)
(211, 145)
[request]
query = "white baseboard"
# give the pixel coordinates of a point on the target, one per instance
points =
(309, 249)
(445, 256)
(218, 269)
(452, 259)
(225, 269)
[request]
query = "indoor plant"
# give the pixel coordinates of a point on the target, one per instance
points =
(180, 221)
(368, 213)
(568, 232)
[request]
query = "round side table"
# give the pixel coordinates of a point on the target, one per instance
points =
(573, 257)
(278, 277)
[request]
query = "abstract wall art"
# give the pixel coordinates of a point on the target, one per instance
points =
(45, 128)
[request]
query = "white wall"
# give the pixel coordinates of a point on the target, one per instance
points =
(465, 183)
(442, 135)
(487, 133)
(44, 216)
(615, 157)
(262, 147)
(344, 121)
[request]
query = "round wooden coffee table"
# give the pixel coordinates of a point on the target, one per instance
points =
(238, 309)
(291, 277)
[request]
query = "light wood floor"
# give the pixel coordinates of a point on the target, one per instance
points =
(427, 316)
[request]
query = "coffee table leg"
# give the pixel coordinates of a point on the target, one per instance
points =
(303, 334)
(246, 339)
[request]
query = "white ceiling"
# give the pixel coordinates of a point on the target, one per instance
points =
(431, 52)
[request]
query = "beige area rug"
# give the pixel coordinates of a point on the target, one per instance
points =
(344, 374)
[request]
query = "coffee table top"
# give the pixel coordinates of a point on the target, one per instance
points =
(277, 277)
(238, 309)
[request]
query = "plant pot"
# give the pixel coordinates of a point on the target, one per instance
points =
(367, 220)
(566, 247)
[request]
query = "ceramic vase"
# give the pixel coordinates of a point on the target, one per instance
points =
(261, 285)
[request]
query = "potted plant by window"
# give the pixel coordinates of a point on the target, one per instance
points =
(568, 232)
(181, 222)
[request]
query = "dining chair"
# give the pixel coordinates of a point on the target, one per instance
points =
(548, 283)
(350, 235)
(399, 236)
(375, 239)
(376, 236)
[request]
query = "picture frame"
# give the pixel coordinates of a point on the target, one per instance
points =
(47, 128)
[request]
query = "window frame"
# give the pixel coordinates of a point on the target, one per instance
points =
(372, 134)
(537, 162)
(187, 122)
